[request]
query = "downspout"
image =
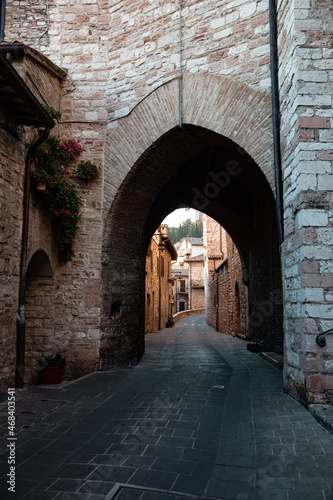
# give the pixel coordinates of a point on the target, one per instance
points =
(180, 118)
(23, 266)
(217, 301)
(276, 117)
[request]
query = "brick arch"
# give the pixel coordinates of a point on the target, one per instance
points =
(218, 103)
(144, 154)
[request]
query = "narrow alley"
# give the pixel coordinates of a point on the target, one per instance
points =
(200, 417)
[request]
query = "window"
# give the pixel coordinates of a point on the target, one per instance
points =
(182, 286)
(2, 19)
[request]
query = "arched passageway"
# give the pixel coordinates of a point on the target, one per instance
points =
(193, 167)
(39, 313)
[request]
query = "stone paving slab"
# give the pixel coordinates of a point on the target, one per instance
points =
(200, 417)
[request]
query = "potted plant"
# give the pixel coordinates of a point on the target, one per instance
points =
(87, 171)
(52, 368)
(170, 323)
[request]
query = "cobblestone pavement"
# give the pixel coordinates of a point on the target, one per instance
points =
(199, 417)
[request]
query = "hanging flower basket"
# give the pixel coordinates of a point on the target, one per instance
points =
(87, 171)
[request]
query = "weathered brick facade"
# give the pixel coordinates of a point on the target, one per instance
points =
(226, 300)
(11, 197)
(307, 142)
(196, 282)
(225, 293)
(121, 100)
(187, 271)
(159, 297)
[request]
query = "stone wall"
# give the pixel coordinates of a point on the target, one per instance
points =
(307, 142)
(11, 199)
(52, 310)
(133, 47)
(226, 295)
(159, 302)
(189, 312)
(196, 282)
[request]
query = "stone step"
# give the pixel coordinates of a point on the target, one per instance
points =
(273, 358)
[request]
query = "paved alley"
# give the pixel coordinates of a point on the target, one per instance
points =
(200, 417)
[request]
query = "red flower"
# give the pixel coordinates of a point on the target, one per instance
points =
(66, 212)
(55, 212)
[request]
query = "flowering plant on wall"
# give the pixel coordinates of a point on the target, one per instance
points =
(52, 159)
(87, 171)
(65, 206)
(71, 149)
(51, 176)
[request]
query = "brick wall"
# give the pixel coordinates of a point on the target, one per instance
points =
(11, 198)
(226, 295)
(69, 321)
(220, 37)
(159, 303)
(307, 160)
(196, 283)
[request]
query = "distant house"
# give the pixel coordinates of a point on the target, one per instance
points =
(187, 272)
(159, 298)
(196, 281)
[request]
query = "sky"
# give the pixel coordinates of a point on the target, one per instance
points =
(179, 216)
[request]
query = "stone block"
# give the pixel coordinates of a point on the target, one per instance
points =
(311, 280)
(314, 121)
(314, 167)
(311, 217)
(325, 182)
(320, 382)
(326, 136)
(247, 10)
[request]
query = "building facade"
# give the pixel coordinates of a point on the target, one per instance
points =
(225, 292)
(202, 137)
(187, 272)
(159, 296)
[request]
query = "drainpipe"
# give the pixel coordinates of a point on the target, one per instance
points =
(217, 301)
(23, 267)
(180, 124)
(276, 117)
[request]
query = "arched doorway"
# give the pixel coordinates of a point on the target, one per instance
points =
(39, 314)
(194, 167)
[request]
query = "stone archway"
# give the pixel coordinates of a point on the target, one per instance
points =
(153, 166)
(214, 102)
(39, 313)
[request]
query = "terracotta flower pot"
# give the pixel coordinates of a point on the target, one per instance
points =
(41, 186)
(51, 375)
